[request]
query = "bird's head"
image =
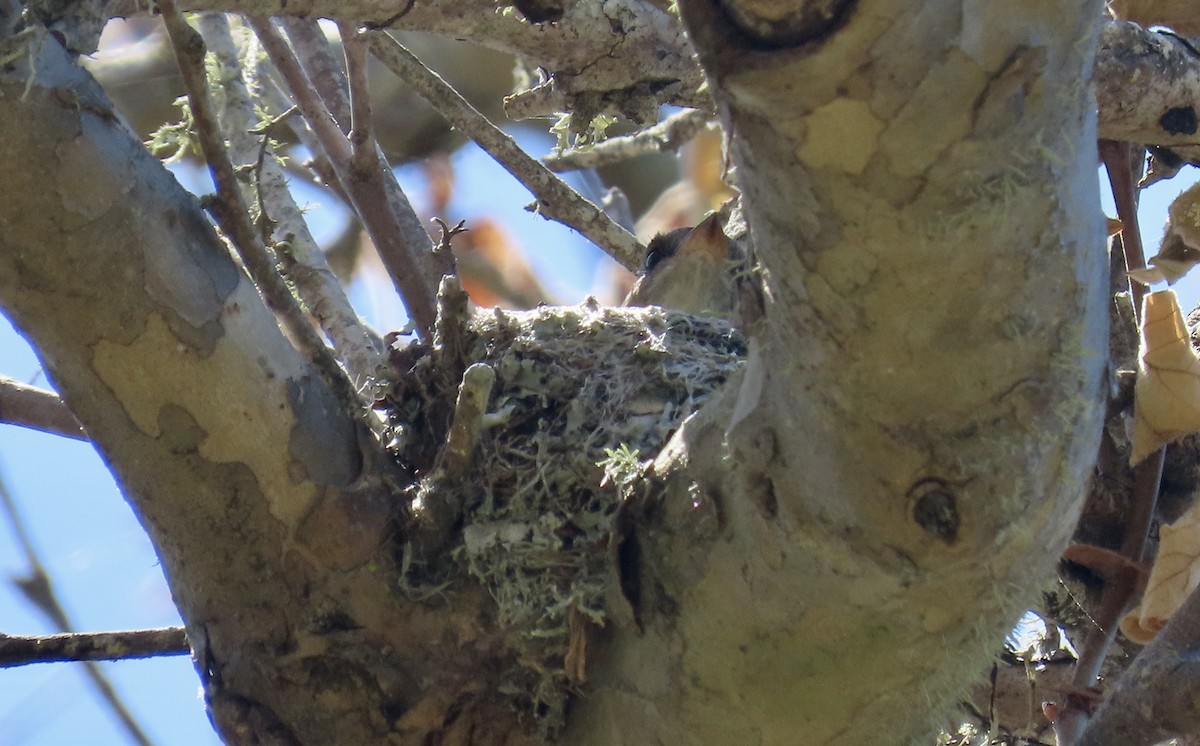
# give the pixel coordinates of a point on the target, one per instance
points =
(688, 269)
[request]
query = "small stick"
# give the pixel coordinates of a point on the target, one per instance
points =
(670, 134)
(233, 215)
(385, 212)
(466, 426)
(20, 650)
(362, 138)
(321, 66)
(38, 409)
(555, 199)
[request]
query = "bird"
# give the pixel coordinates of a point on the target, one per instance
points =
(689, 270)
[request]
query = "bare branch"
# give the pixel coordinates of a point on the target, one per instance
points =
(29, 406)
(668, 135)
(233, 214)
(321, 66)
(300, 257)
(1154, 699)
(362, 136)
(633, 51)
(386, 214)
(542, 100)
(1147, 85)
(19, 650)
(555, 199)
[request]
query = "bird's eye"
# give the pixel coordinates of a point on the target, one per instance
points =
(654, 257)
(663, 246)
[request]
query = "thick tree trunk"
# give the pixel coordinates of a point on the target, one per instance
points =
(914, 432)
(829, 552)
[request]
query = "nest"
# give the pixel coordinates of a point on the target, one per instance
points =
(526, 511)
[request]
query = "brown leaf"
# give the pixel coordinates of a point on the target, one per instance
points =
(1167, 393)
(1180, 247)
(1175, 574)
(1184, 214)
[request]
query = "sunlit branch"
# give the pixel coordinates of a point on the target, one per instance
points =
(20, 650)
(233, 215)
(668, 135)
(386, 214)
(29, 406)
(301, 259)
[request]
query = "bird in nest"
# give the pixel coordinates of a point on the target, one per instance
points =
(689, 270)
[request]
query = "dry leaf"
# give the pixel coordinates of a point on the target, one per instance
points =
(1174, 260)
(1180, 247)
(1184, 216)
(1175, 575)
(1166, 398)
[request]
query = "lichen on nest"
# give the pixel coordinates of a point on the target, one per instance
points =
(531, 520)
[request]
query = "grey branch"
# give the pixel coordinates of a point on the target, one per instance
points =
(1147, 86)
(232, 213)
(668, 135)
(385, 212)
(29, 406)
(617, 46)
(1154, 700)
(19, 650)
(301, 258)
(555, 199)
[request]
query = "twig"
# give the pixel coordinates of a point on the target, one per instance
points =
(324, 69)
(29, 406)
(670, 134)
(281, 220)
(321, 65)
(233, 215)
(542, 100)
(448, 233)
(39, 591)
(362, 138)
(467, 423)
(555, 199)
(20, 650)
(1120, 161)
(385, 212)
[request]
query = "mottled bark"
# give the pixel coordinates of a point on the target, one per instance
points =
(912, 437)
